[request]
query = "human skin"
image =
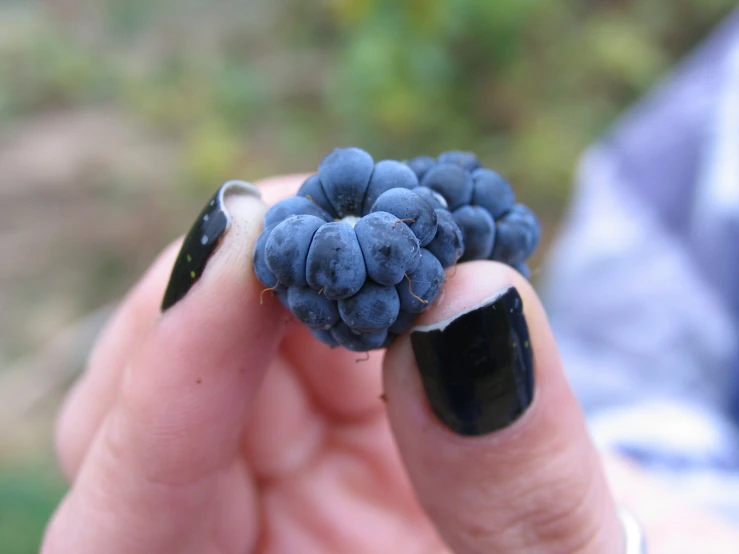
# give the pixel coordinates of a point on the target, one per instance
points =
(222, 426)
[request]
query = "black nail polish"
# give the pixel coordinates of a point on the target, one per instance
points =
(477, 368)
(202, 241)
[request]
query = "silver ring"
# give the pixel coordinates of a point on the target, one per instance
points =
(634, 535)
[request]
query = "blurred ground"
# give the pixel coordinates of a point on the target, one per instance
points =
(117, 119)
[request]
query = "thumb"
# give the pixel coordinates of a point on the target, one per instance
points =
(490, 433)
(161, 472)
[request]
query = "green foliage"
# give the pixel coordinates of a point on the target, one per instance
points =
(211, 150)
(526, 84)
(28, 496)
(42, 68)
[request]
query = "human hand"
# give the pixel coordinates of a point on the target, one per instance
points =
(218, 426)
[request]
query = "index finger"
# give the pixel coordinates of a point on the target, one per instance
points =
(187, 386)
(278, 188)
(94, 393)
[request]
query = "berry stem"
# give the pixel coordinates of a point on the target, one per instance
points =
(309, 197)
(406, 220)
(261, 294)
(410, 289)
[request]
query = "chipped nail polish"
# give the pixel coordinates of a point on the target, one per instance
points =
(202, 241)
(477, 368)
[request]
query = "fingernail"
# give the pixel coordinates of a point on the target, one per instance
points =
(477, 367)
(202, 241)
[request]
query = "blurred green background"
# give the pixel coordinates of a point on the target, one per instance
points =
(119, 118)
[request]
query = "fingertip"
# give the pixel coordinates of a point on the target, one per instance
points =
(278, 188)
(487, 426)
(93, 394)
(234, 205)
(190, 382)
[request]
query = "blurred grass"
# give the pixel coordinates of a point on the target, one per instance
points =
(248, 89)
(526, 84)
(28, 495)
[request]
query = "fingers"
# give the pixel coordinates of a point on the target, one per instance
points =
(275, 189)
(343, 384)
(491, 435)
(160, 457)
(93, 395)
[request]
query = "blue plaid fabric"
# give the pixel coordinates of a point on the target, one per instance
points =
(642, 287)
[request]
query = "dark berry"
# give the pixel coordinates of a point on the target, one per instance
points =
(287, 248)
(492, 192)
(402, 323)
(478, 229)
(413, 210)
(452, 182)
(335, 265)
(388, 174)
(517, 236)
(312, 189)
(419, 289)
(325, 336)
(345, 176)
(448, 243)
(421, 165)
(313, 309)
(261, 269)
(295, 205)
(358, 342)
(374, 308)
(466, 160)
(389, 246)
(435, 199)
